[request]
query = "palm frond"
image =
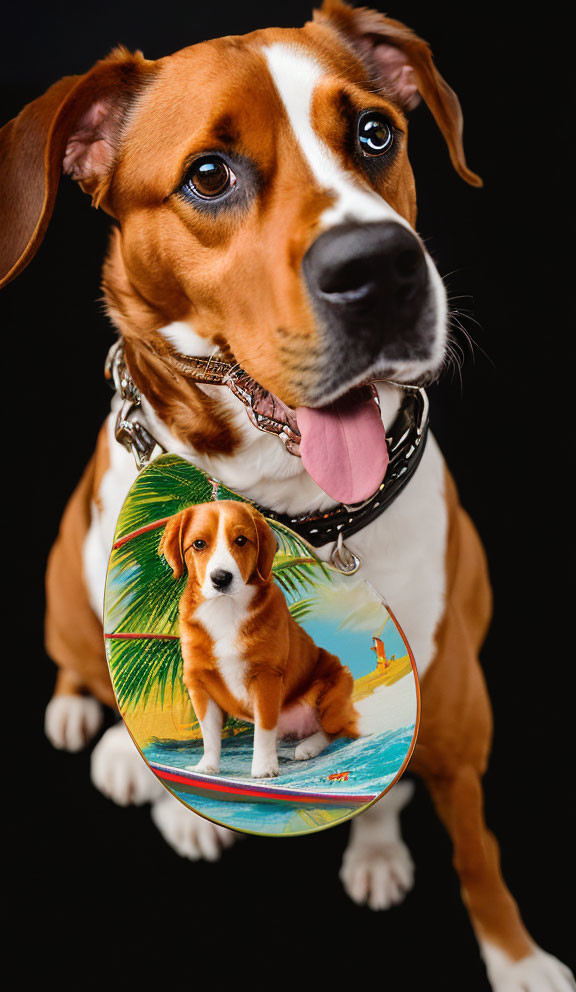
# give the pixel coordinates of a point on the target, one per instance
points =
(302, 608)
(168, 485)
(142, 596)
(141, 670)
(296, 578)
(223, 493)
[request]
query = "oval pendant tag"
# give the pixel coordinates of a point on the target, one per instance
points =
(346, 689)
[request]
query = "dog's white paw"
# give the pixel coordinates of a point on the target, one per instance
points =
(190, 835)
(265, 767)
(311, 746)
(70, 722)
(377, 875)
(207, 766)
(120, 772)
(538, 972)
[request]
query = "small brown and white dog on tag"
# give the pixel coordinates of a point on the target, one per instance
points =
(264, 206)
(244, 655)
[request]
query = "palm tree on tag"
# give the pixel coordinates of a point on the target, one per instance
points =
(142, 597)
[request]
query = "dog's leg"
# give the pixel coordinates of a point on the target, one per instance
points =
(73, 631)
(451, 756)
(189, 834)
(211, 727)
(266, 716)
(72, 718)
(74, 640)
(120, 772)
(377, 869)
(265, 756)
(334, 707)
(336, 711)
(514, 962)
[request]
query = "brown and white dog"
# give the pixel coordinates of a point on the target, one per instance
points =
(243, 653)
(264, 203)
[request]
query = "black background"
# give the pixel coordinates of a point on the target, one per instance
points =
(97, 882)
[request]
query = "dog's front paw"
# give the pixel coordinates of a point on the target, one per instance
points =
(70, 722)
(377, 875)
(538, 972)
(120, 772)
(208, 766)
(189, 834)
(265, 767)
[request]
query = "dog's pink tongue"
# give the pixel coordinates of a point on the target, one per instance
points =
(343, 447)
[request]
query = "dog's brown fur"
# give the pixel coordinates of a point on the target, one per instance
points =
(163, 257)
(283, 664)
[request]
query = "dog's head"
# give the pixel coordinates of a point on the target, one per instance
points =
(264, 203)
(224, 546)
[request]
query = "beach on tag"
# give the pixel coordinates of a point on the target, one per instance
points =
(315, 646)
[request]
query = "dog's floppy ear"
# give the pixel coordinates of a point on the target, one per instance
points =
(403, 62)
(267, 546)
(75, 128)
(171, 545)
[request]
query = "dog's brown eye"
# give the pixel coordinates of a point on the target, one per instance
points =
(199, 544)
(375, 134)
(241, 540)
(209, 177)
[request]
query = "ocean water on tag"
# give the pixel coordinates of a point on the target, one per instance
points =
(366, 767)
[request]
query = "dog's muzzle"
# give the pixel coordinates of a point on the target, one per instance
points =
(369, 288)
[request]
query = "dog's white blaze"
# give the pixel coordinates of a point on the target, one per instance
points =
(222, 615)
(221, 558)
(296, 75)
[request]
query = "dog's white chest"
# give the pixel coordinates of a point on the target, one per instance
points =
(222, 619)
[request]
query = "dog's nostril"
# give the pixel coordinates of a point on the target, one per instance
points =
(221, 578)
(408, 262)
(347, 278)
(405, 293)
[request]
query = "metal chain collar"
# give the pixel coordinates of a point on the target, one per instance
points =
(406, 443)
(128, 431)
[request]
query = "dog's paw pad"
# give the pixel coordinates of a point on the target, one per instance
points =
(188, 834)
(70, 722)
(538, 972)
(377, 876)
(120, 772)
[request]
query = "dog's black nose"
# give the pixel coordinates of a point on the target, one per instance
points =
(370, 281)
(221, 579)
